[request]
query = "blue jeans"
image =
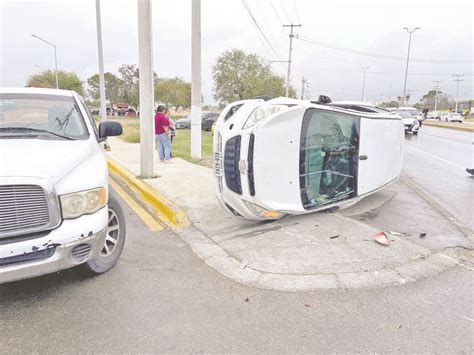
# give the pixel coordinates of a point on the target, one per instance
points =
(164, 146)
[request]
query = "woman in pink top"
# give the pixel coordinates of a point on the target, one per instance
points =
(162, 134)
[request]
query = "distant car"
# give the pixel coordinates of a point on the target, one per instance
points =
(412, 111)
(183, 123)
(359, 106)
(451, 117)
(411, 124)
(287, 157)
(207, 119)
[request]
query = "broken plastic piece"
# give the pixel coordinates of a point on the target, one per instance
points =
(334, 236)
(395, 233)
(422, 235)
(381, 238)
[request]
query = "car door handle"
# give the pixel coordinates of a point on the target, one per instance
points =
(362, 157)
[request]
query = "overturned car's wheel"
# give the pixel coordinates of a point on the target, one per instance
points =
(114, 241)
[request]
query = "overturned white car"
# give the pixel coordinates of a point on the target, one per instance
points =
(285, 156)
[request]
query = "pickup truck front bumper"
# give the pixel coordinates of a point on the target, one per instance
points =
(74, 242)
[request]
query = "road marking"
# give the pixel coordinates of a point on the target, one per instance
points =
(146, 217)
(438, 158)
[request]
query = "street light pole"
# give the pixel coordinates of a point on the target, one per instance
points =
(410, 31)
(457, 76)
(363, 83)
(436, 82)
(196, 79)
(55, 56)
(103, 106)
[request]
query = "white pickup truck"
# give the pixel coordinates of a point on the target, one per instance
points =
(55, 208)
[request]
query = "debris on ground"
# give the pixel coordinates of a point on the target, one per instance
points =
(381, 238)
(395, 233)
(422, 235)
(399, 326)
(334, 236)
(307, 305)
(246, 299)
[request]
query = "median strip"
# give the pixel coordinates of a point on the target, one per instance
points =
(169, 213)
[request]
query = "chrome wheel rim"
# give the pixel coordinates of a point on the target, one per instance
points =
(112, 235)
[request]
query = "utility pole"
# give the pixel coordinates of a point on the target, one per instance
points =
(410, 31)
(196, 79)
(303, 86)
(145, 65)
(457, 76)
(103, 107)
(363, 83)
(289, 57)
(436, 82)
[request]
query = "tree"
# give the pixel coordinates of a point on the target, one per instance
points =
(47, 79)
(392, 103)
(173, 91)
(113, 87)
(128, 74)
(238, 76)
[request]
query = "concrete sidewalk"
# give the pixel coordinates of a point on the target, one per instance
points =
(307, 252)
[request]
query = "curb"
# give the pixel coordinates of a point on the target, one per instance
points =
(456, 128)
(172, 215)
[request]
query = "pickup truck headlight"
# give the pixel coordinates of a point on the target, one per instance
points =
(262, 212)
(260, 113)
(85, 202)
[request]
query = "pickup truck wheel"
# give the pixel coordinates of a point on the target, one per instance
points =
(114, 241)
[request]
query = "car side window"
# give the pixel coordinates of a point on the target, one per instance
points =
(91, 118)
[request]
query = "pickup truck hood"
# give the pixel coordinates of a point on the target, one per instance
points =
(41, 158)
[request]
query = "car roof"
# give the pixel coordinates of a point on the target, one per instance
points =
(40, 91)
(359, 103)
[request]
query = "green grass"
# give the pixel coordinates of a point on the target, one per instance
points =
(181, 147)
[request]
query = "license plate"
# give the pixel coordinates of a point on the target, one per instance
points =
(218, 164)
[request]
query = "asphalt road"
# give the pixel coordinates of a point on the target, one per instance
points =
(436, 159)
(162, 298)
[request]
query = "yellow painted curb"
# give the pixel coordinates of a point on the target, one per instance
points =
(441, 125)
(173, 215)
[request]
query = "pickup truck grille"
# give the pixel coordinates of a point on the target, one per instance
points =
(23, 207)
(231, 164)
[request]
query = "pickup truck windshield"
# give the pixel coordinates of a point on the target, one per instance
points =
(40, 116)
(328, 157)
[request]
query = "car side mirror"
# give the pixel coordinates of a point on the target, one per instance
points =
(109, 129)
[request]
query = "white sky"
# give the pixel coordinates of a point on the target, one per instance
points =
(446, 34)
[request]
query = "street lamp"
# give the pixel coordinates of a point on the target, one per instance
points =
(363, 83)
(410, 31)
(55, 56)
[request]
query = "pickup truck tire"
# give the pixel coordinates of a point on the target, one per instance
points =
(114, 242)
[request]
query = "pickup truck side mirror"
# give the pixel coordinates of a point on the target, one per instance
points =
(109, 129)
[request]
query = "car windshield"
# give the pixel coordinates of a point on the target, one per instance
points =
(40, 116)
(328, 157)
(404, 115)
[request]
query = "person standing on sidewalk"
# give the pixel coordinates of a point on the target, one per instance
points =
(162, 134)
(172, 129)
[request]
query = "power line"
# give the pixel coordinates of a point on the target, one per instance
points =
(376, 72)
(259, 29)
(286, 13)
(296, 11)
(276, 13)
(375, 55)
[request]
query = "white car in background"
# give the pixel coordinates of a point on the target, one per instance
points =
(55, 208)
(411, 124)
(451, 117)
(286, 156)
(412, 111)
